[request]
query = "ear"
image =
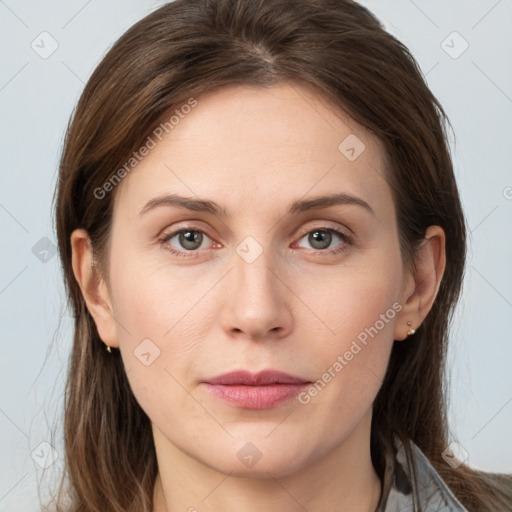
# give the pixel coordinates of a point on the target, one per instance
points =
(420, 290)
(93, 287)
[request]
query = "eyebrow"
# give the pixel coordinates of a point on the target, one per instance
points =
(298, 206)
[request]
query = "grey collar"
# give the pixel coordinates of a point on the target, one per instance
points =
(431, 491)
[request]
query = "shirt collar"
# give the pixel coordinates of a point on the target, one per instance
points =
(430, 491)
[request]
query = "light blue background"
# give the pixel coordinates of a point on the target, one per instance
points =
(36, 99)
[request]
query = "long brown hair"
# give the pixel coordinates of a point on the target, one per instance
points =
(186, 48)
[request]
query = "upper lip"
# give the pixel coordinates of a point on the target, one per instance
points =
(262, 378)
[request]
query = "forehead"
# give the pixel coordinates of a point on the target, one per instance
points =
(241, 142)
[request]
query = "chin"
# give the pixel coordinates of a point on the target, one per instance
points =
(258, 456)
(265, 468)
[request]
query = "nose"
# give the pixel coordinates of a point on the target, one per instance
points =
(257, 300)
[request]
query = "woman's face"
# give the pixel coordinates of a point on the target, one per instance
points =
(264, 277)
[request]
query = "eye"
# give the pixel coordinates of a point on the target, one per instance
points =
(189, 239)
(321, 239)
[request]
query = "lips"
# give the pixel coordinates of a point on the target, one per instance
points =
(262, 390)
(263, 378)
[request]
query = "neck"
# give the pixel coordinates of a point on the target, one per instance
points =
(343, 479)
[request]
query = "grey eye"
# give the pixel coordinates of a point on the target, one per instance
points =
(320, 239)
(189, 239)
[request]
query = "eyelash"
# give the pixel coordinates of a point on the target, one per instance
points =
(348, 241)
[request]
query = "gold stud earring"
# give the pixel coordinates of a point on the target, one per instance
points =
(108, 348)
(411, 330)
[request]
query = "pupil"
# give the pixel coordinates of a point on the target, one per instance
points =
(323, 237)
(190, 237)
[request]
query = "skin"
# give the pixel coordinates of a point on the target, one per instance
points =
(295, 308)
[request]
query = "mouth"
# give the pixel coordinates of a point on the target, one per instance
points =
(262, 390)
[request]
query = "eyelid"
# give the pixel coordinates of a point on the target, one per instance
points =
(303, 230)
(326, 227)
(184, 226)
(166, 235)
(347, 236)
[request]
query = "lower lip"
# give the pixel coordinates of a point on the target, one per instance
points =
(256, 397)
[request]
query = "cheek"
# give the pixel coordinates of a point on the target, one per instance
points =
(160, 348)
(160, 303)
(358, 313)
(163, 318)
(343, 303)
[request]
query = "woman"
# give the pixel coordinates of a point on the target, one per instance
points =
(218, 361)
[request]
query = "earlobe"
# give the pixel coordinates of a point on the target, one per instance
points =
(93, 287)
(420, 293)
